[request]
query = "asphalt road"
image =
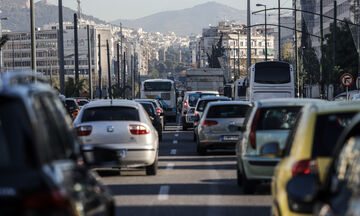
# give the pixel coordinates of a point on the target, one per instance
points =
(186, 184)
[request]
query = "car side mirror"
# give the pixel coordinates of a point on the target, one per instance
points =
(101, 157)
(271, 149)
(302, 191)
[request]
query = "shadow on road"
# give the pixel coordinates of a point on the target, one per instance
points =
(204, 167)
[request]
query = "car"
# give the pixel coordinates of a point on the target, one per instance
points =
(40, 161)
(72, 107)
(155, 118)
(159, 109)
(269, 120)
(338, 194)
(342, 96)
(355, 97)
(122, 125)
(309, 149)
(218, 128)
(81, 101)
(202, 102)
(189, 103)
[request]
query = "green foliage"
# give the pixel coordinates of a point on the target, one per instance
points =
(154, 73)
(72, 87)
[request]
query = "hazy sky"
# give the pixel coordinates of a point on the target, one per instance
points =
(110, 10)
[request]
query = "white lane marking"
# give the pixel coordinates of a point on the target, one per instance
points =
(173, 151)
(164, 192)
(175, 142)
(176, 135)
(170, 166)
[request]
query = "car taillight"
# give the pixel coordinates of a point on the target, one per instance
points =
(47, 200)
(304, 167)
(209, 123)
(138, 130)
(196, 114)
(84, 130)
(252, 135)
(159, 111)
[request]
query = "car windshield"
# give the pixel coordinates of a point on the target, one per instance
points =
(113, 113)
(15, 135)
(71, 103)
(277, 118)
(207, 95)
(193, 99)
(327, 131)
(228, 111)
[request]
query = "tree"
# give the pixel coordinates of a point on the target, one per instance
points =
(3, 40)
(73, 87)
(154, 73)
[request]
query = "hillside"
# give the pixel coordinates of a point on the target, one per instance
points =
(18, 14)
(190, 20)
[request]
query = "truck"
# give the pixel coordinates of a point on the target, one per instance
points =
(205, 79)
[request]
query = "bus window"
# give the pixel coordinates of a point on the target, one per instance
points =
(241, 91)
(272, 73)
(157, 86)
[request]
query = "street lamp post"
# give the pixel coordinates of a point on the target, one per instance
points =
(33, 38)
(1, 59)
(262, 5)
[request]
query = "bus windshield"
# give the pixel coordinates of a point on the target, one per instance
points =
(272, 73)
(157, 86)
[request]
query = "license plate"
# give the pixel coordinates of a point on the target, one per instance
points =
(122, 153)
(230, 138)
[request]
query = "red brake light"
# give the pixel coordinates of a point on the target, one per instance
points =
(185, 104)
(50, 200)
(159, 111)
(84, 130)
(209, 123)
(138, 130)
(304, 167)
(252, 135)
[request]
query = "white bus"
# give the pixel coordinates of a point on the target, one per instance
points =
(272, 79)
(164, 91)
(240, 90)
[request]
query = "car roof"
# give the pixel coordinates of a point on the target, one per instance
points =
(159, 80)
(276, 102)
(217, 103)
(214, 98)
(145, 100)
(334, 106)
(104, 103)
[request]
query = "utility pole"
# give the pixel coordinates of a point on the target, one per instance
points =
(121, 50)
(99, 57)
(248, 36)
(334, 42)
(33, 36)
(238, 57)
(61, 49)
(89, 62)
(321, 50)
(124, 74)
(279, 31)
(118, 64)
(109, 68)
(1, 57)
(132, 77)
(76, 46)
(295, 50)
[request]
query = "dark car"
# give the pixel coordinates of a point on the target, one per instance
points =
(72, 107)
(339, 194)
(158, 106)
(156, 120)
(40, 162)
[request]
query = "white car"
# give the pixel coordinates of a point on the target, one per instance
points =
(122, 125)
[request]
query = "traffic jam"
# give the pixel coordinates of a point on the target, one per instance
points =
(301, 155)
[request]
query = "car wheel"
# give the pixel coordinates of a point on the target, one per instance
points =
(249, 186)
(239, 177)
(152, 169)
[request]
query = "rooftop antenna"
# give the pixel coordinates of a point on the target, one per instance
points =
(79, 8)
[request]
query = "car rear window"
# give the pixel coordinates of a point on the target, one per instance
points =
(327, 131)
(277, 118)
(149, 108)
(202, 104)
(113, 113)
(15, 135)
(193, 99)
(82, 103)
(228, 111)
(70, 103)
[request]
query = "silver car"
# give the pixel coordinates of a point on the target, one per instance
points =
(270, 120)
(219, 126)
(122, 125)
